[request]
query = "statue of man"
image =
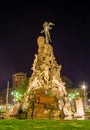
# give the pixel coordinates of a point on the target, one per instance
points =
(47, 27)
(35, 62)
(46, 74)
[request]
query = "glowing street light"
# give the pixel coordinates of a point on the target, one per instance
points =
(84, 88)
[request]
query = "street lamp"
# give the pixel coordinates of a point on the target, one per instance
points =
(84, 88)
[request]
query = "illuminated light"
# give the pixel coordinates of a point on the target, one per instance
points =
(12, 93)
(83, 87)
(0, 107)
(69, 95)
(17, 96)
(77, 93)
(89, 100)
(73, 95)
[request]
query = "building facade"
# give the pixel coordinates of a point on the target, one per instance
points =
(17, 79)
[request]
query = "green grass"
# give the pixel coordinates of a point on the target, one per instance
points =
(28, 124)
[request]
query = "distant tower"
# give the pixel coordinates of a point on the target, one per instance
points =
(17, 78)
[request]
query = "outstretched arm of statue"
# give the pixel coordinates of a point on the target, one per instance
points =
(42, 31)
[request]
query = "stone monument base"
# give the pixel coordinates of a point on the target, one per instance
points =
(42, 107)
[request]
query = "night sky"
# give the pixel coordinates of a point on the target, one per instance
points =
(20, 26)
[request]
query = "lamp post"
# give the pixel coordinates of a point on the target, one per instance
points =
(7, 94)
(84, 88)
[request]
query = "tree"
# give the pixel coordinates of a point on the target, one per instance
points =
(68, 82)
(21, 89)
(23, 86)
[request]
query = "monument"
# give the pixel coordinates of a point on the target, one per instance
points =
(46, 95)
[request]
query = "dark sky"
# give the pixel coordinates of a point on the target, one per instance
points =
(20, 26)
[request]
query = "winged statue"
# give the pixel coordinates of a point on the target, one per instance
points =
(46, 27)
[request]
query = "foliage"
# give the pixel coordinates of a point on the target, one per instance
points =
(23, 86)
(19, 92)
(49, 124)
(68, 82)
(49, 83)
(49, 93)
(73, 95)
(17, 96)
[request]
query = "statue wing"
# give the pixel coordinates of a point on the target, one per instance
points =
(50, 23)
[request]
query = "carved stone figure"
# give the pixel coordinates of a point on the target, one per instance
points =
(67, 108)
(13, 111)
(35, 83)
(47, 27)
(45, 74)
(60, 104)
(35, 62)
(60, 86)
